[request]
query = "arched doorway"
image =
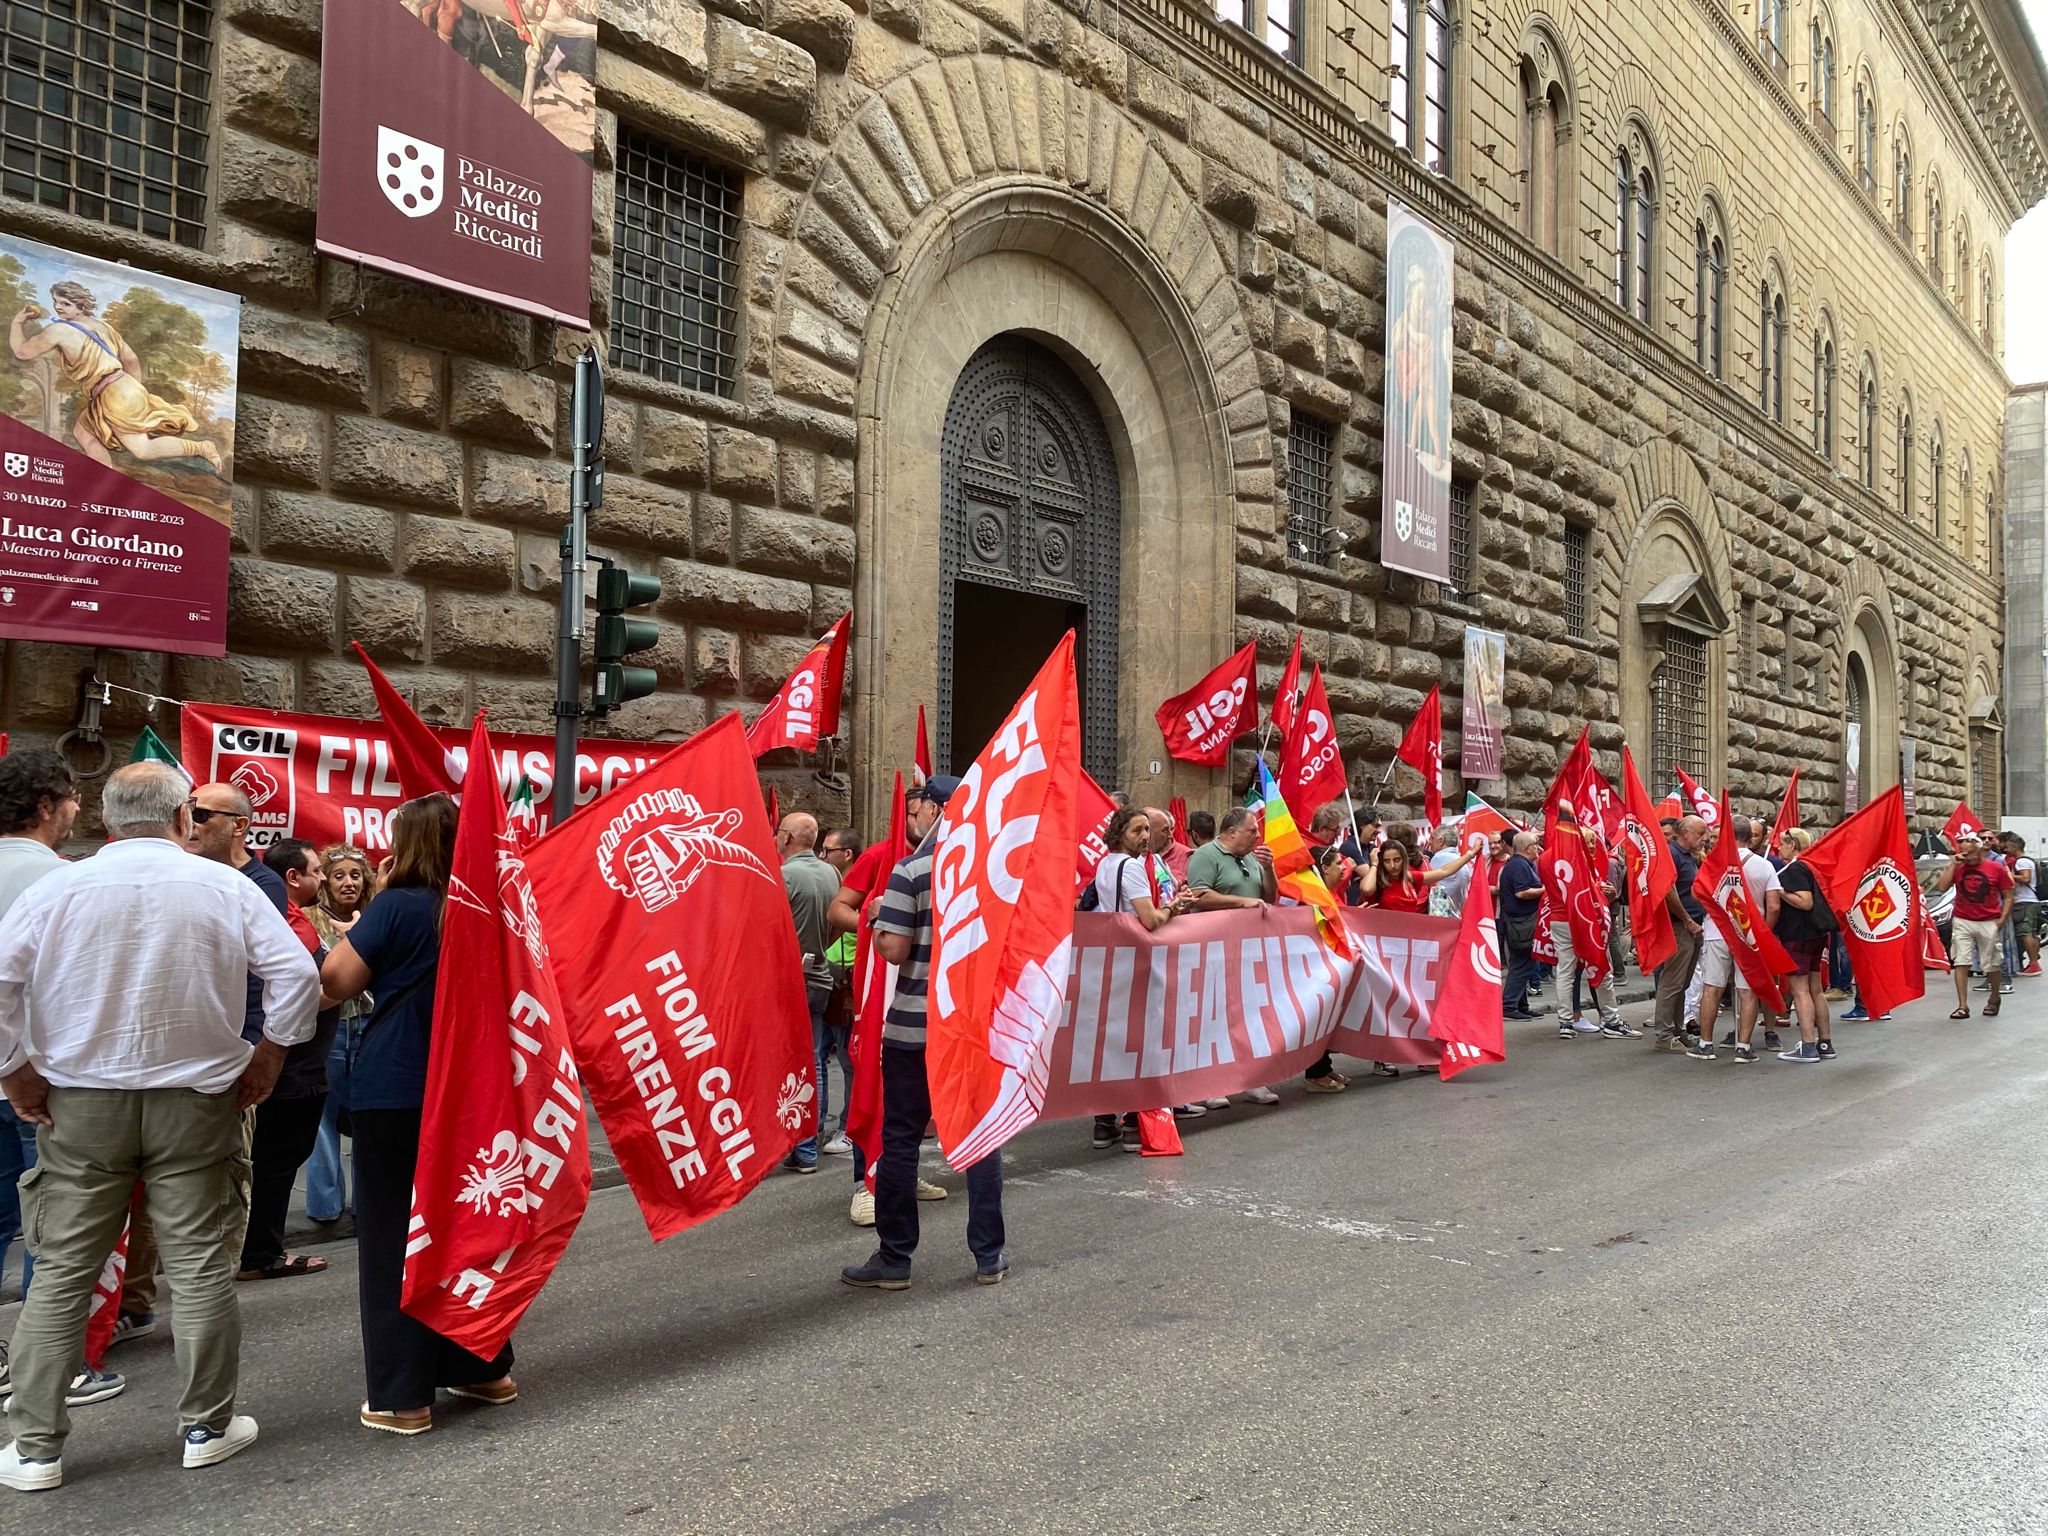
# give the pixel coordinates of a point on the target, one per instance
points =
(1856, 775)
(1028, 548)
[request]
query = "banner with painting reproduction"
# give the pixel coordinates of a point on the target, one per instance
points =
(1483, 712)
(1415, 465)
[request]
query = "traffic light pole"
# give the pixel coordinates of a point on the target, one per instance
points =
(586, 489)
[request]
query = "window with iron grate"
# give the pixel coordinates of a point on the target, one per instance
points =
(106, 109)
(675, 266)
(1678, 704)
(1577, 546)
(1464, 574)
(1308, 488)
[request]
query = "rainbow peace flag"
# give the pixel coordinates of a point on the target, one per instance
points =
(1294, 867)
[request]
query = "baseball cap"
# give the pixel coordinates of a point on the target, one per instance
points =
(938, 789)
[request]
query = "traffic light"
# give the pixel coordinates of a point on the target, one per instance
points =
(619, 637)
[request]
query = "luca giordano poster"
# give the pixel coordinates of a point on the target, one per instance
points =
(1415, 527)
(455, 146)
(117, 439)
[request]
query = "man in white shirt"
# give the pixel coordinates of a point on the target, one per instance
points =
(130, 1057)
(1717, 962)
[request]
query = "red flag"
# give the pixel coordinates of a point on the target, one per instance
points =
(1200, 725)
(1311, 772)
(106, 1302)
(1702, 804)
(1651, 873)
(1788, 812)
(806, 707)
(1423, 750)
(1599, 806)
(921, 763)
(1865, 870)
(1962, 822)
(1482, 820)
(678, 963)
(1285, 696)
(1572, 878)
(1932, 956)
(774, 810)
(504, 1162)
(423, 765)
(1177, 813)
(1566, 789)
(1003, 919)
(1466, 1018)
(874, 984)
(1094, 808)
(1727, 895)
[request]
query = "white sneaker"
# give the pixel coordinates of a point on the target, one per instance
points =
(862, 1213)
(927, 1190)
(1584, 1026)
(838, 1146)
(1222, 1103)
(29, 1476)
(204, 1447)
(1261, 1096)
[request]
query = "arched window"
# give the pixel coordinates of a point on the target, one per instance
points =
(1935, 233)
(1635, 232)
(1419, 80)
(1866, 137)
(1824, 388)
(1824, 81)
(1905, 454)
(1966, 499)
(1902, 183)
(1987, 305)
(1866, 425)
(1770, 33)
(1937, 468)
(1770, 350)
(1548, 183)
(1709, 289)
(1963, 266)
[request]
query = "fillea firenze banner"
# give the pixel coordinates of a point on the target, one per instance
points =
(1415, 529)
(117, 441)
(456, 150)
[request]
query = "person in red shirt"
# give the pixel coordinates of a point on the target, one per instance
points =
(1390, 881)
(1984, 892)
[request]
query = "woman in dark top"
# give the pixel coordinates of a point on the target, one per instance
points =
(1803, 927)
(394, 950)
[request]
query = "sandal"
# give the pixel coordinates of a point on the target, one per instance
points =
(1991, 1009)
(1960, 1013)
(496, 1393)
(417, 1422)
(286, 1268)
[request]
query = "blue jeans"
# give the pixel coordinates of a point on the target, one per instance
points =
(326, 1183)
(17, 1156)
(906, 1110)
(822, 1034)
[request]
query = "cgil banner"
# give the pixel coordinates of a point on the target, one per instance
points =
(117, 440)
(457, 152)
(1219, 1002)
(331, 780)
(1415, 529)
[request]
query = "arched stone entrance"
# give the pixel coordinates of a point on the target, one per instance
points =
(1871, 668)
(1028, 548)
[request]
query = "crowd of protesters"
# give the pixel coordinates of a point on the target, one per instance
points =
(185, 1069)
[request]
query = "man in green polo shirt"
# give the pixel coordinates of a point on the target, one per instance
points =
(1235, 870)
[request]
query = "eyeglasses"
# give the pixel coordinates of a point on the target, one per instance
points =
(201, 815)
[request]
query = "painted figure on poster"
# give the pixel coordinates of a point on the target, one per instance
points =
(115, 408)
(1420, 351)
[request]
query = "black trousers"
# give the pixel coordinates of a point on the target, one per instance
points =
(285, 1132)
(906, 1110)
(403, 1359)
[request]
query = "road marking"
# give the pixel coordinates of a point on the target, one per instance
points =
(1243, 1202)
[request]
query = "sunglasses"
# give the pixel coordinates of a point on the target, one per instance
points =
(201, 815)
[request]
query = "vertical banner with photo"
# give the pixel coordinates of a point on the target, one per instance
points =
(1483, 713)
(455, 144)
(117, 440)
(1852, 759)
(1415, 464)
(1909, 762)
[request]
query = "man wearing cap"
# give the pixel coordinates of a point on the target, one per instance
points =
(902, 935)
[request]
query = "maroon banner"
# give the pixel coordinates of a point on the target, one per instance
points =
(117, 420)
(331, 780)
(451, 173)
(1218, 1002)
(671, 940)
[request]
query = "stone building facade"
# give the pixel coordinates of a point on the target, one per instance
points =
(1017, 314)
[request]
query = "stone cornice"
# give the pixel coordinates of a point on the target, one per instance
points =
(1995, 79)
(1239, 61)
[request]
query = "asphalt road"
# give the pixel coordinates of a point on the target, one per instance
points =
(1596, 1289)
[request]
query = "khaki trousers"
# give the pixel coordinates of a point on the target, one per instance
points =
(187, 1149)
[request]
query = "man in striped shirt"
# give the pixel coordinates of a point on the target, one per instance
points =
(902, 934)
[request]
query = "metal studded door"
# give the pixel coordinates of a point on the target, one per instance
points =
(1029, 505)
